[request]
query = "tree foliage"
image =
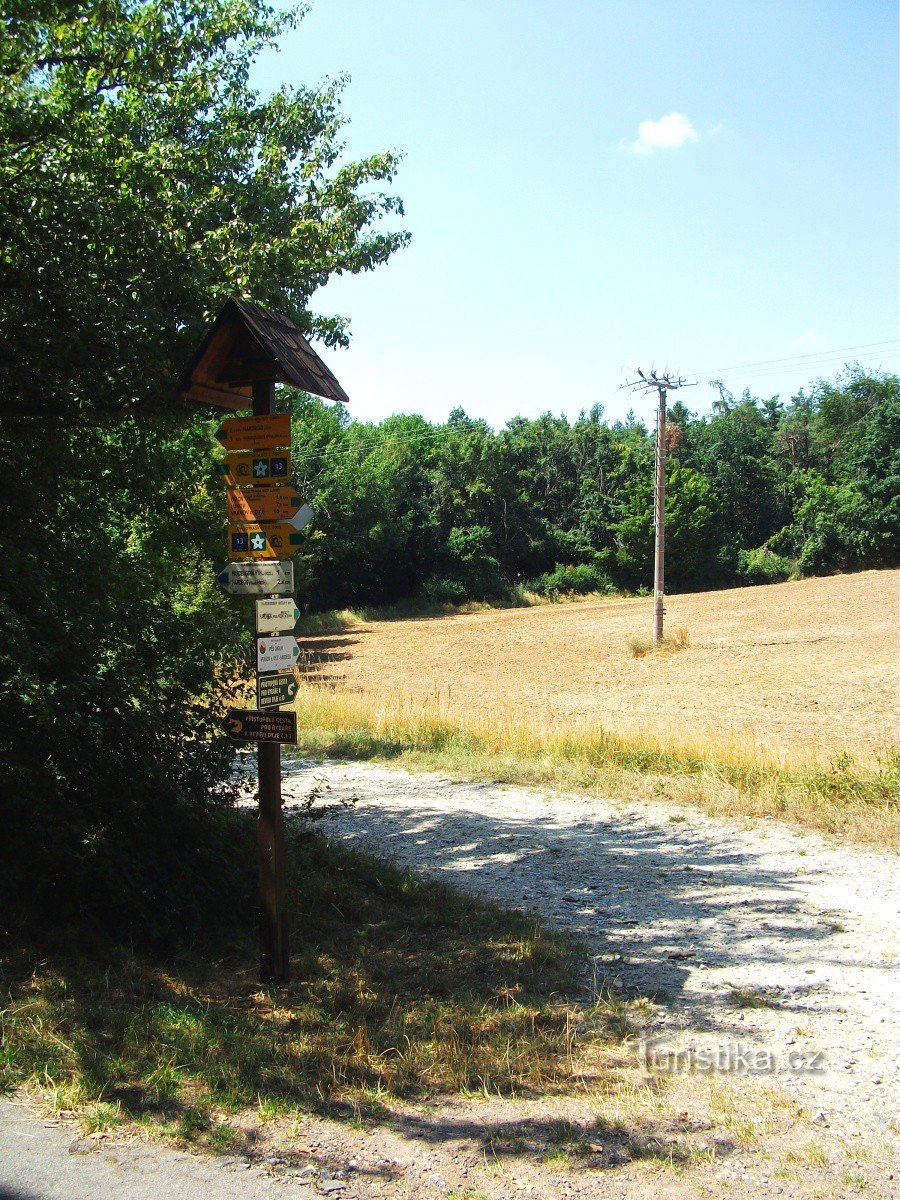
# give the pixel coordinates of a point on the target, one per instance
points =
(142, 181)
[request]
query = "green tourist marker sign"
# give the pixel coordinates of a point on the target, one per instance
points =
(274, 690)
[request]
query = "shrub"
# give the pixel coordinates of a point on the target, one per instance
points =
(764, 566)
(580, 578)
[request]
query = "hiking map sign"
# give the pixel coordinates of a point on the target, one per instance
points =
(258, 579)
(250, 725)
(273, 690)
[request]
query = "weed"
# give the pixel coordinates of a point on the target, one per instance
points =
(640, 647)
(750, 998)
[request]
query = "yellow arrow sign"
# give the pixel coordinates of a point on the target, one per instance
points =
(263, 541)
(257, 505)
(255, 433)
(258, 470)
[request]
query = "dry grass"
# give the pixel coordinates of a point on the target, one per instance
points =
(401, 988)
(639, 647)
(791, 675)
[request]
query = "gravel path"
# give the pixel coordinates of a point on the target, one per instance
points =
(768, 950)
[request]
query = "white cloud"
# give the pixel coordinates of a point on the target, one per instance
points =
(807, 341)
(668, 133)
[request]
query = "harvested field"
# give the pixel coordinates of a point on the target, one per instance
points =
(795, 673)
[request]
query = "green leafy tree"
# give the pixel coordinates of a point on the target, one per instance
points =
(142, 181)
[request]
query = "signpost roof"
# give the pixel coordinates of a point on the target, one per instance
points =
(248, 343)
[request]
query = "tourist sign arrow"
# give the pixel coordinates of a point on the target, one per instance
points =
(258, 578)
(250, 725)
(263, 541)
(276, 653)
(258, 505)
(255, 433)
(276, 616)
(258, 470)
(272, 690)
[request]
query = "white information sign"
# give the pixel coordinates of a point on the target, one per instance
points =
(258, 578)
(276, 653)
(276, 616)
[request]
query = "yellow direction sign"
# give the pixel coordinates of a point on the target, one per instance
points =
(263, 541)
(255, 433)
(257, 505)
(258, 470)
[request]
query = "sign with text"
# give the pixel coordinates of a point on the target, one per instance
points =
(258, 505)
(263, 541)
(250, 725)
(258, 470)
(272, 690)
(276, 653)
(255, 433)
(276, 616)
(258, 579)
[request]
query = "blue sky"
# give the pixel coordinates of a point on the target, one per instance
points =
(592, 187)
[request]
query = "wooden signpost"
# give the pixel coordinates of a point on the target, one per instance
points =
(248, 725)
(244, 353)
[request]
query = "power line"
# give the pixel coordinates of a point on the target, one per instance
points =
(797, 358)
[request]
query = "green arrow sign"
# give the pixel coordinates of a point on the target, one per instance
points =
(273, 690)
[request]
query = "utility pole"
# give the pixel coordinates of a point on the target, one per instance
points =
(659, 513)
(662, 384)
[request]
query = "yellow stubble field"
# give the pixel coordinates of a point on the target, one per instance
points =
(792, 673)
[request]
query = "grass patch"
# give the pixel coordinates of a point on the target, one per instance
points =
(401, 988)
(640, 647)
(751, 998)
(860, 804)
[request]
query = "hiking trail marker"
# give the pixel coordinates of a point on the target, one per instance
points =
(255, 433)
(258, 579)
(246, 351)
(263, 541)
(259, 505)
(258, 470)
(276, 653)
(276, 616)
(274, 690)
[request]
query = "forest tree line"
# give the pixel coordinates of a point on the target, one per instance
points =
(757, 491)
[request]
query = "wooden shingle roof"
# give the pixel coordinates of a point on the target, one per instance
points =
(247, 343)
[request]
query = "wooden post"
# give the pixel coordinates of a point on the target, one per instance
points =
(659, 556)
(274, 955)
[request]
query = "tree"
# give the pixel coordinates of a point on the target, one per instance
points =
(141, 182)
